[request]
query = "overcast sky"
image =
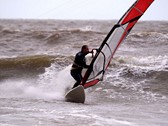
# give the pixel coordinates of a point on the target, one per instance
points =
(77, 9)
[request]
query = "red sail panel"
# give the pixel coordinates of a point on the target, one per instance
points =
(138, 9)
(115, 37)
(91, 83)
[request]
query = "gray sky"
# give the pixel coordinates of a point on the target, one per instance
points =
(77, 9)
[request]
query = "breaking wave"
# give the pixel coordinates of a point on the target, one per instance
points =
(30, 65)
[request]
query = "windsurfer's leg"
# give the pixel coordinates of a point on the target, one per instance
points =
(77, 77)
(76, 84)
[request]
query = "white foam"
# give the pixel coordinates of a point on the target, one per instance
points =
(148, 63)
(54, 84)
(51, 85)
(99, 120)
(12, 88)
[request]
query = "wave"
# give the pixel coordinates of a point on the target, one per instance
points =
(148, 36)
(139, 73)
(30, 65)
(72, 35)
(145, 77)
(141, 66)
(9, 31)
(86, 29)
(143, 74)
(51, 36)
(132, 67)
(43, 32)
(26, 62)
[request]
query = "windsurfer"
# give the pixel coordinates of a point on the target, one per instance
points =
(78, 65)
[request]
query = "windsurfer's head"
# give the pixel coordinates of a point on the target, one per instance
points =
(85, 49)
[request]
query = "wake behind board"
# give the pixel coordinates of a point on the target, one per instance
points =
(76, 95)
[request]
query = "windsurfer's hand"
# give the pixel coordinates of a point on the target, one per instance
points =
(93, 52)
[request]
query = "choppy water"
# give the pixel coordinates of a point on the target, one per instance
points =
(35, 58)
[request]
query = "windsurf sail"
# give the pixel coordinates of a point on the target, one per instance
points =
(115, 37)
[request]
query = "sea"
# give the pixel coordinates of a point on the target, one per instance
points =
(35, 61)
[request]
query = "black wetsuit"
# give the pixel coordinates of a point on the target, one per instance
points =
(78, 65)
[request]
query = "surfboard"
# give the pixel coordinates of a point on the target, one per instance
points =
(76, 95)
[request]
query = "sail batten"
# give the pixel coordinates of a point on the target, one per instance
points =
(112, 41)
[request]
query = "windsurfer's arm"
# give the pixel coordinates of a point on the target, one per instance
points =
(85, 65)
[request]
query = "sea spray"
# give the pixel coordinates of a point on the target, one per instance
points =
(56, 82)
(51, 85)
